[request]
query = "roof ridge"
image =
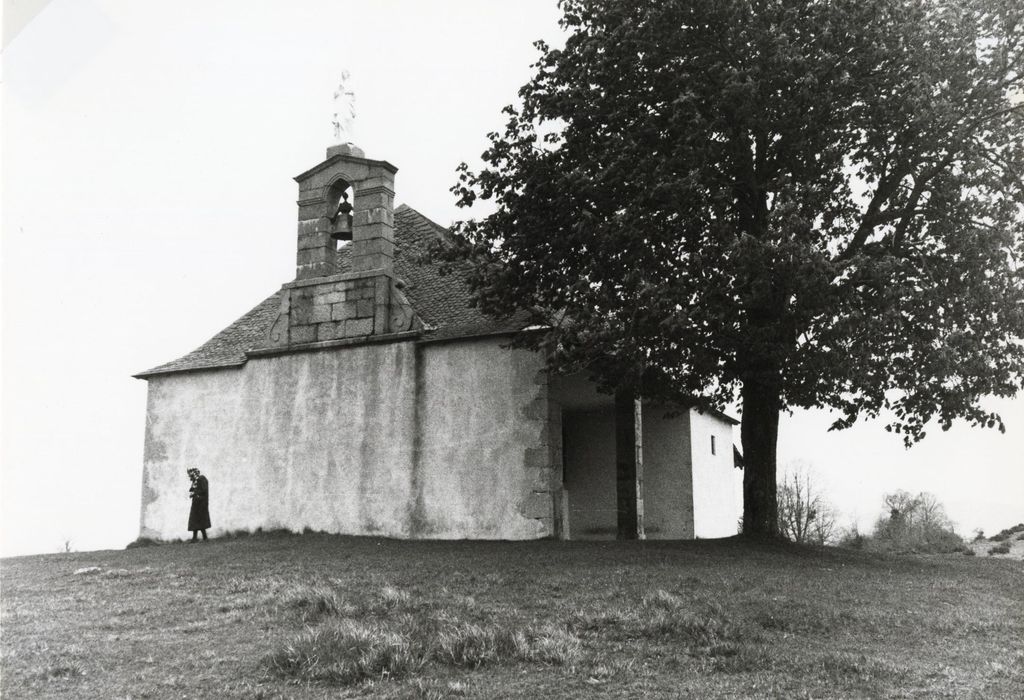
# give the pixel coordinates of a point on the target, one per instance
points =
(404, 208)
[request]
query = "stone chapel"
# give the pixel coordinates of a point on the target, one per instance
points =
(367, 397)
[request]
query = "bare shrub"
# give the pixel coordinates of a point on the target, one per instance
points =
(805, 516)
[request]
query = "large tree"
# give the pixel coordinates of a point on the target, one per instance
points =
(793, 203)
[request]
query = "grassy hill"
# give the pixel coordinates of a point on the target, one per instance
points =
(316, 616)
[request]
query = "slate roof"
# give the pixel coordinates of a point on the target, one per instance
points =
(441, 301)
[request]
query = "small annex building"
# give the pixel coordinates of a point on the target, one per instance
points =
(367, 397)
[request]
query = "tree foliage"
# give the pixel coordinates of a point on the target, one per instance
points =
(813, 203)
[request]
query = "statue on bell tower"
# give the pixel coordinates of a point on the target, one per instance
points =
(344, 117)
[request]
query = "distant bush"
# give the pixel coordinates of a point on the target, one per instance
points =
(943, 541)
(235, 534)
(915, 524)
(242, 533)
(275, 532)
(1001, 548)
(967, 551)
(1006, 534)
(851, 538)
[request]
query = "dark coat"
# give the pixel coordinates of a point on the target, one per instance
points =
(199, 514)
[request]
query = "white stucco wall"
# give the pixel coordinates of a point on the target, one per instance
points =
(286, 442)
(715, 513)
(485, 467)
(668, 488)
(442, 441)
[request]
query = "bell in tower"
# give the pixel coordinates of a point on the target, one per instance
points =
(341, 221)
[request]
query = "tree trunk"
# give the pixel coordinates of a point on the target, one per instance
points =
(759, 433)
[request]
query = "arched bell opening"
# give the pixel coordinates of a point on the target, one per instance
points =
(339, 198)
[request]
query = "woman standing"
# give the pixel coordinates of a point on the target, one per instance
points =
(199, 514)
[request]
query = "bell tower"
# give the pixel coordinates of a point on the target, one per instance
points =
(345, 286)
(347, 199)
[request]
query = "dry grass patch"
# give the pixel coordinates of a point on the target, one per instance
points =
(346, 652)
(313, 603)
(700, 623)
(554, 645)
(803, 616)
(845, 670)
(391, 635)
(470, 645)
(68, 669)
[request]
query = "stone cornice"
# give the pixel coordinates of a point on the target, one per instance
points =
(340, 277)
(330, 344)
(351, 159)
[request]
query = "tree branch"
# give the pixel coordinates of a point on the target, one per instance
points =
(887, 184)
(910, 208)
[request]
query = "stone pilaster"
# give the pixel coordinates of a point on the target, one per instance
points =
(373, 223)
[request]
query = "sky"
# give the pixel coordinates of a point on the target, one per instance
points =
(148, 151)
